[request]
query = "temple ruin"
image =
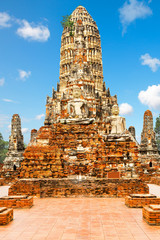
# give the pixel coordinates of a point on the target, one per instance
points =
(84, 147)
(149, 155)
(148, 140)
(16, 145)
(82, 122)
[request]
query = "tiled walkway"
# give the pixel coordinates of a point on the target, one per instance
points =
(79, 219)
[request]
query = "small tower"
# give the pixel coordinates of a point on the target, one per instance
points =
(16, 145)
(148, 143)
(132, 130)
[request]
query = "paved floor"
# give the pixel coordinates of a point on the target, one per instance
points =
(79, 219)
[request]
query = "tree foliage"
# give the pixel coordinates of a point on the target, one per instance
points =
(66, 22)
(3, 148)
(157, 131)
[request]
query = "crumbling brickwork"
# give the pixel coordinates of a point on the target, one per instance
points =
(64, 150)
(74, 187)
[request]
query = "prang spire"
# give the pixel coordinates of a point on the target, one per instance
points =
(81, 55)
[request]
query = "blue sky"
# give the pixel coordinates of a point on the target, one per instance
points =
(30, 38)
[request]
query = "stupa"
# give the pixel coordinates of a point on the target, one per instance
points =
(16, 145)
(148, 140)
(84, 147)
(148, 148)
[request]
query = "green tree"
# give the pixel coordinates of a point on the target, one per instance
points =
(157, 131)
(3, 148)
(66, 22)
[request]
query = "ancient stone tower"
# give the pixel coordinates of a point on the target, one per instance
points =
(83, 132)
(84, 142)
(81, 55)
(16, 145)
(148, 143)
(81, 93)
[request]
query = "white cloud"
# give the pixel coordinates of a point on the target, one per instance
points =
(132, 10)
(4, 20)
(25, 130)
(125, 109)
(38, 117)
(2, 80)
(153, 63)
(32, 32)
(151, 97)
(23, 75)
(7, 100)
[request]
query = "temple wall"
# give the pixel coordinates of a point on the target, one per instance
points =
(64, 150)
(89, 187)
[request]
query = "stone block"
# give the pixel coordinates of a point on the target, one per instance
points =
(6, 215)
(140, 200)
(20, 201)
(151, 214)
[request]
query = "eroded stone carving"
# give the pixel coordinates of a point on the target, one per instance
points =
(118, 124)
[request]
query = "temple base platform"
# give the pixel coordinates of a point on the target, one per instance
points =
(76, 187)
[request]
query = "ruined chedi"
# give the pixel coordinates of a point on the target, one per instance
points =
(83, 132)
(16, 145)
(84, 142)
(148, 141)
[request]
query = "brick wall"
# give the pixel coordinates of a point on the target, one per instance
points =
(9, 176)
(63, 150)
(140, 202)
(6, 215)
(151, 214)
(72, 187)
(155, 180)
(16, 202)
